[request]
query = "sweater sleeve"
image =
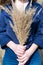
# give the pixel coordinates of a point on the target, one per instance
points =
(38, 39)
(4, 38)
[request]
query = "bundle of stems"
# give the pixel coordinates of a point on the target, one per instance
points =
(22, 24)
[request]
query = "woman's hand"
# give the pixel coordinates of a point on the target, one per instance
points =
(22, 60)
(26, 56)
(17, 48)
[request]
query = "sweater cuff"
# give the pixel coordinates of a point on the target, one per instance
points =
(39, 41)
(4, 42)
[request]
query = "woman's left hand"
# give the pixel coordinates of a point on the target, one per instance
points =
(22, 60)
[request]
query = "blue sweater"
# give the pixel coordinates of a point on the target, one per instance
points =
(36, 32)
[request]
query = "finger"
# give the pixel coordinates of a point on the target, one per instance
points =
(24, 56)
(20, 64)
(19, 54)
(22, 50)
(22, 60)
(23, 47)
(23, 63)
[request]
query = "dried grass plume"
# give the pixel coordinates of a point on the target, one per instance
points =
(22, 23)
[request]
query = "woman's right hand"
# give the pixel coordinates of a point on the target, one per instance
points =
(18, 49)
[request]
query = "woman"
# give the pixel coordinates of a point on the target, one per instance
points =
(9, 41)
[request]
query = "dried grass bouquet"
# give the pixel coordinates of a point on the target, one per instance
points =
(22, 23)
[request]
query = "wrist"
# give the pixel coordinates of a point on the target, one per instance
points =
(32, 49)
(29, 52)
(11, 45)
